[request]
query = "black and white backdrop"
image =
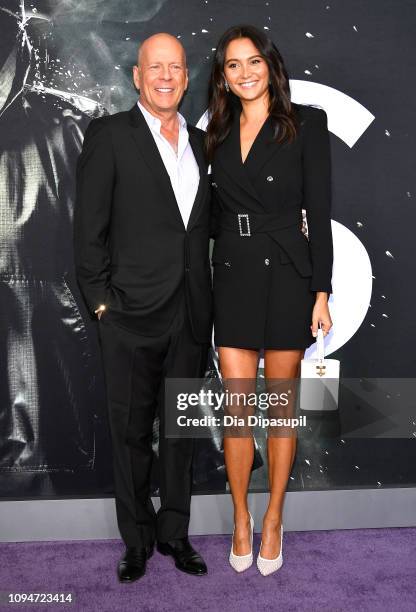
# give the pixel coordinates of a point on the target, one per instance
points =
(63, 62)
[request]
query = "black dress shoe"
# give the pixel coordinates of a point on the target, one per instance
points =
(132, 565)
(186, 558)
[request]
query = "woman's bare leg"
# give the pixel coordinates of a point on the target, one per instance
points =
(281, 451)
(239, 451)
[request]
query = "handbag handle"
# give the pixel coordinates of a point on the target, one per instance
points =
(320, 344)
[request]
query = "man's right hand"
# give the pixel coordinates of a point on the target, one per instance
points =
(99, 311)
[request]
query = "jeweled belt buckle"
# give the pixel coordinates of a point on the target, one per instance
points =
(240, 224)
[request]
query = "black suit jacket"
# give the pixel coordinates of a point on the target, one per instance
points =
(132, 251)
(280, 180)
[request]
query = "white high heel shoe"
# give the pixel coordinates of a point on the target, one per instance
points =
(240, 563)
(268, 566)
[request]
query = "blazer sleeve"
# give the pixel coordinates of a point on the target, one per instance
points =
(317, 198)
(95, 178)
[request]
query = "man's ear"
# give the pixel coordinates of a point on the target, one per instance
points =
(136, 72)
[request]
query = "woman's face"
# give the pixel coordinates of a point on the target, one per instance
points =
(245, 70)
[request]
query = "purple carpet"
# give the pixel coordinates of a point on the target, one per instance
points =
(360, 570)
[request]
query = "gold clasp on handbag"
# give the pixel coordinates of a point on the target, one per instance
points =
(320, 369)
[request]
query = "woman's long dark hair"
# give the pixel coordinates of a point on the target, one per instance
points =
(221, 103)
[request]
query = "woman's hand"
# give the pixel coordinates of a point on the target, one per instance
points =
(320, 314)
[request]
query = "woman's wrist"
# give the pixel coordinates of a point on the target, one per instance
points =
(321, 296)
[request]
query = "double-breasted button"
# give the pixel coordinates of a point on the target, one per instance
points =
(270, 179)
(267, 261)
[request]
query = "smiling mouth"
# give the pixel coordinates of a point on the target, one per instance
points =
(248, 84)
(164, 89)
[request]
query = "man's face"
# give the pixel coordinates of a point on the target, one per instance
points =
(161, 74)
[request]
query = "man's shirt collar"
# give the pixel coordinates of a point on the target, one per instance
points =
(154, 123)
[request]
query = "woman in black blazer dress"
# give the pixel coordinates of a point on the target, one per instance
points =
(270, 159)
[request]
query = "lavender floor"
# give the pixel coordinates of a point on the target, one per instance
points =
(329, 571)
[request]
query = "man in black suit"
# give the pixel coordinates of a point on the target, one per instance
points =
(141, 228)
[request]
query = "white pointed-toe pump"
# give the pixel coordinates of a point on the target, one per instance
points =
(268, 566)
(240, 563)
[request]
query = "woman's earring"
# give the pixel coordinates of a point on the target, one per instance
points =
(227, 87)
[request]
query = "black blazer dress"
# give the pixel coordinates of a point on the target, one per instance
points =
(265, 270)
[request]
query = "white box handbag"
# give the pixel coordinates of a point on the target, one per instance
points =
(319, 380)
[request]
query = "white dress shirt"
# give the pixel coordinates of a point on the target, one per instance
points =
(182, 168)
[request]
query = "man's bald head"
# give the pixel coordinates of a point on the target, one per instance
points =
(161, 75)
(157, 40)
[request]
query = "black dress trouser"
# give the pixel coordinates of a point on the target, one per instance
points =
(135, 367)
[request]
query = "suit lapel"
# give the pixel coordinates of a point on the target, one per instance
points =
(262, 149)
(198, 152)
(229, 156)
(149, 152)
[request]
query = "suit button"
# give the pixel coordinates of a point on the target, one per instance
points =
(187, 269)
(270, 179)
(214, 184)
(267, 261)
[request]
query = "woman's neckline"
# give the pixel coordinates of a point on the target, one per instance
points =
(243, 162)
